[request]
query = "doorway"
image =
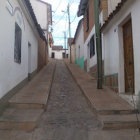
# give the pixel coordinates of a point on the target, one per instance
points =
(128, 57)
(53, 55)
(29, 61)
(63, 55)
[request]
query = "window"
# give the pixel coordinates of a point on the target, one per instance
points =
(92, 47)
(17, 48)
(53, 55)
(87, 19)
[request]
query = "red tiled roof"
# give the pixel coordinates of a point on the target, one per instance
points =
(111, 16)
(57, 47)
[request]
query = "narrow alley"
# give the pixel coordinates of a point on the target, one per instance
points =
(67, 115)
(69, 70)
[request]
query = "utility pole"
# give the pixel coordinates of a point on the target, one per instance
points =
(98, 44)
(65, 42)
(68, 10)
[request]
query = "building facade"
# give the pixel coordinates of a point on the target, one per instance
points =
(43, 12)
(86, 9)
(121, 44)
(57, 52)
(19, 38)
(79, 44)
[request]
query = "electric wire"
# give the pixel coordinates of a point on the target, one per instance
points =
(57, 7)
(59, 19)
(74, 18)
(66, 28)
(62, 17)
(71, 2)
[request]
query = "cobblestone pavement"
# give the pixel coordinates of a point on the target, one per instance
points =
(68, 115)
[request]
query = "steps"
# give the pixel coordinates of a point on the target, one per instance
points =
(20, 119)
(119, 121)
(113, 111)
(26, 107)
(117, 112)
(34, 97)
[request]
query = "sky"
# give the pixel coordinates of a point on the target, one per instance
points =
(60, 19)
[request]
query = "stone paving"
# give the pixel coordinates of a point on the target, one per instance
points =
(68, 116)
(68, 112)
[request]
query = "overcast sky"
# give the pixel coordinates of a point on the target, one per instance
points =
(60, 20)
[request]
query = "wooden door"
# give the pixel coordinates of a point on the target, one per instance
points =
(128, 57)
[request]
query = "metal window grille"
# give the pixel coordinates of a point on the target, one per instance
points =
(17, 47)
(92, 46)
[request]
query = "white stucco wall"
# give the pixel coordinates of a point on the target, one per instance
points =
(113, 43)
(12, 73)
(93, 60)
(50, 51)
(58, 53)
(79, 42)
(40, 10)
(111, 51)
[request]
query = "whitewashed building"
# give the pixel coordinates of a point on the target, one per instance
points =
(86, 9)
(19, 36)
(43, 12)
(57, 52)
(79, 44)
(121, 33)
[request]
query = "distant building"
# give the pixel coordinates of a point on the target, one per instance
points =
(57, 52)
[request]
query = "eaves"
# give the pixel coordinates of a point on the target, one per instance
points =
(31, 18)
(113, 14)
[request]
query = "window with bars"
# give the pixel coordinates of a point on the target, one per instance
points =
(17, 47)
(92, 46)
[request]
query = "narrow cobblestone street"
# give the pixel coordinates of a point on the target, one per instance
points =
(69, 70)
(68, 115)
